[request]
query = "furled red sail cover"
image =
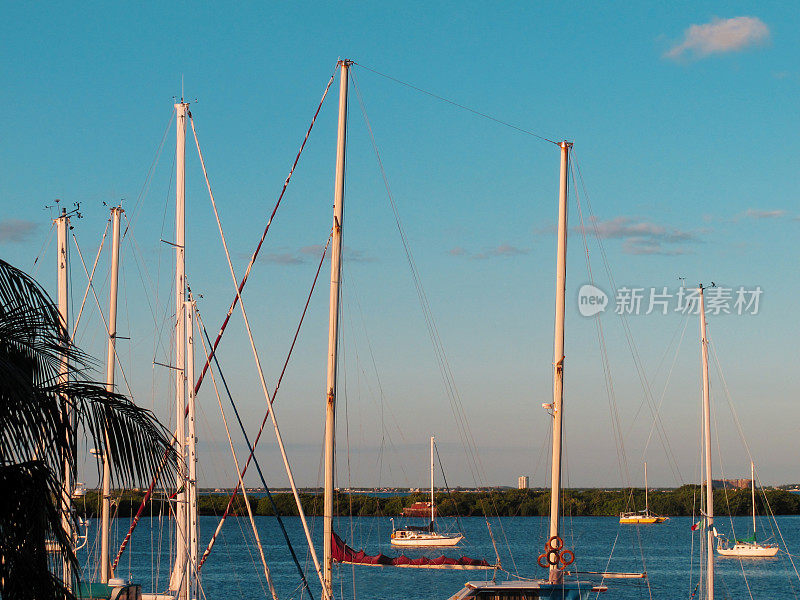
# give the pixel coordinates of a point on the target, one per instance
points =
(345, 554)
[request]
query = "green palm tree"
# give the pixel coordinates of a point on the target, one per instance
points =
(36, 441)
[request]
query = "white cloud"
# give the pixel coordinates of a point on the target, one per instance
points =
(625, 227)
(503, 250)
(720, 36)
(282, 258)
(314, 250)
(312, 254)
(643, 246)
(644, 237)
(764, 214)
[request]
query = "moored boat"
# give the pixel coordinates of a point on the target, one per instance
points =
(747, 547)
(425, 536)
(642, 517)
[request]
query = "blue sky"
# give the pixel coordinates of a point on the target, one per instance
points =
(683, 118)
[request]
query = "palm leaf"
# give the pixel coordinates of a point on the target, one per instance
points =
(31, 520)
(36, 436)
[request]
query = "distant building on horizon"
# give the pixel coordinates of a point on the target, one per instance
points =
(731, 484)
(420, 509)
(522, 482)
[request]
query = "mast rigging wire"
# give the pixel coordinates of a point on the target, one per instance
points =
(728, 397)
(263, 237)
(458, 105)
(456, 406)
(203, 339)
(236, 298)
(452, 499)
(259, 370)
(616, 427)
(90, 276)
(45, 245)
(118, 360)
(666, 385)
(637, 360)
(251, 456)
(149, 177)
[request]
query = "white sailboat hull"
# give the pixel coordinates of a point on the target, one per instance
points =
(748, 551)
(425, 539)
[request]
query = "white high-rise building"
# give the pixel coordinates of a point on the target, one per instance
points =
(522, 482)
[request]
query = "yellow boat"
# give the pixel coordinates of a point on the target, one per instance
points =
(642, 517)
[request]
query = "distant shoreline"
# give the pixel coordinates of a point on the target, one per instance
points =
(682, 501)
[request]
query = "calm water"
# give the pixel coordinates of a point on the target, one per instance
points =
(233, 569)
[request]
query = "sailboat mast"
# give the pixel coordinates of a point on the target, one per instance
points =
(333, 329)
(432, 508)
(179, 569)
(191, 482)
(105, 511)
(646, 504)
(558, 354)
(62, 226)
(753, 490)
(707, 452)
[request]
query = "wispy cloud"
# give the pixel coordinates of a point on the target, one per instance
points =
(359, 256)
(314, 250)
(15, 231)
(282, 258)
(645, 237)
(754, 213)
(720, 36)
(642, 246)
(624, 227)
(311, 254)
(501, 251)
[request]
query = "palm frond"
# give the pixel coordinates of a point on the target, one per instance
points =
(36, 435)
(137, 442)
(31, 521)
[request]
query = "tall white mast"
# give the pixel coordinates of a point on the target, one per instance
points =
(646, 504)
(707, 451)
(753, 488)
(179, 569)
(105, 559)
(191, 483)
(432, 508)
(333, 335)
(62, 227)
(558, 354)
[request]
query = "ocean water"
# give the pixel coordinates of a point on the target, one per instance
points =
(668, 552)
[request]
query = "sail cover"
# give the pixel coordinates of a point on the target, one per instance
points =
(343, 553)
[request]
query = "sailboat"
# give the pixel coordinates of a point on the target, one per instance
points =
(424, 536)
(642, 517)
(742, 548)
(747, 547)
